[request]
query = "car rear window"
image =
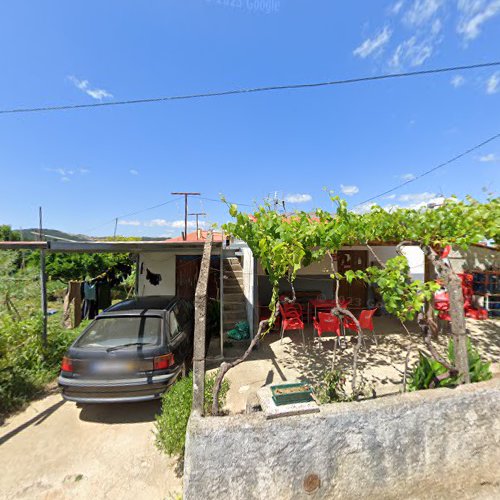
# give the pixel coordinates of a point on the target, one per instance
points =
(121, 331)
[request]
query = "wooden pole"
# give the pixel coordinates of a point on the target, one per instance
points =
(43, 281)
(185, 194)
(197, 215)
(200, 321)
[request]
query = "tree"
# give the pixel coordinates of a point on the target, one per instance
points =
(7, 234)
(285, 243)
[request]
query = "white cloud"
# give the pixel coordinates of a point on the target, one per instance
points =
(364, 208)
(413, 52)
(180, 224)
(129, 223)
(98, 94)
(390, 197)
(422, 17)
(133, 171)
(175, 224)
(417, 197)
(474, 13)
(489, 158)
(65, 174)
(298, 198)
(419, 200)
(492, 83)
(349, 190)
(413, 201)
(370, 45)
(157, 223)
(84, 86)
(457, 81)
(396, 8)
(408, 177)
(422, 11)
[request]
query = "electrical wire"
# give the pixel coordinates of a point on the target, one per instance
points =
(252, 90)
(135, 213)
(433, 169)
(220, 201)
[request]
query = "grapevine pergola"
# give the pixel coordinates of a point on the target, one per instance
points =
(285, 243)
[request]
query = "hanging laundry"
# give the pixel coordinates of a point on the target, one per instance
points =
(153, 278)
(89, 310)
(89, 291)
(103, 295)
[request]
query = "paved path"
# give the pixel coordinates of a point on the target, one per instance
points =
(56, 450)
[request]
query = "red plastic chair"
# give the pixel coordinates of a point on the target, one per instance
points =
(293, 306)
(344, 303)
(291, 320)
(326, 322)
(365, 322)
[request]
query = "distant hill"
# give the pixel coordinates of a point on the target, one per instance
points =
(56, 235)
(52, 235)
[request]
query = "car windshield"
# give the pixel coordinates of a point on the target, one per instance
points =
(118, 332)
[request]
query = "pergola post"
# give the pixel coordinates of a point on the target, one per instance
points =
(200, 321)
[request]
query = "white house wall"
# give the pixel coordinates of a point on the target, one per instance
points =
(414, 255)
(163, 263)
(247, 264)
(158, 263)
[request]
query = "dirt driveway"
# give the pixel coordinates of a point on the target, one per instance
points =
(56, 450)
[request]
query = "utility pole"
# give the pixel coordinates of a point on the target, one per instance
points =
(185, 194)
(43, 280)
(198, 214)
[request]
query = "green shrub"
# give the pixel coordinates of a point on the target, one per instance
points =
(172, 422)
(429, 373)
(25, 365)
(332, 388)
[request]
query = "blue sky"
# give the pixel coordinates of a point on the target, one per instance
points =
(86, 167)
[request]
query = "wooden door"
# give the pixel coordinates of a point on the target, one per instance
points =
(187, 270)
(353, 260)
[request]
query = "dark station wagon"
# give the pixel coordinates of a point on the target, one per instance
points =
(133, 351)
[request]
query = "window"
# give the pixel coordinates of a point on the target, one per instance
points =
(117, 331)
(173, 322)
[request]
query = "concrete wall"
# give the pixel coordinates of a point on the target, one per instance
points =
(474, 258)
(439, 443)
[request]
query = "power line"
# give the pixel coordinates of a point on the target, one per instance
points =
(252, 90)
(220, 201)
(134, 213)
(433, 169)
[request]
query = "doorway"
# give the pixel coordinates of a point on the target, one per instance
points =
(353, 260)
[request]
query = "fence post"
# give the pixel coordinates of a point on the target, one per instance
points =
(200, 321)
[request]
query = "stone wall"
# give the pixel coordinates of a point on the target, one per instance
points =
(440, 443)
